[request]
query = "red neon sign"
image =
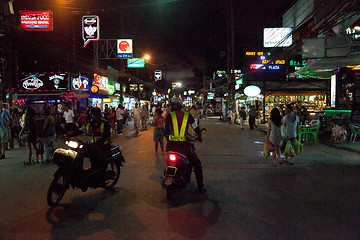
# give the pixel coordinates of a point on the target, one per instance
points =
(36, 20)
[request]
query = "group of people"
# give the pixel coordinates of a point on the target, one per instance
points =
(281, 130)
(252, 113)
(27, 131)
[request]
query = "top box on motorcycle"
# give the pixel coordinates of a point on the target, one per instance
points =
(63, 157)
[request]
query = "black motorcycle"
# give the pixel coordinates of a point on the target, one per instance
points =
(71, 172)
(178, 171)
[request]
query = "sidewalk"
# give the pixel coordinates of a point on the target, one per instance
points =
(347, 146)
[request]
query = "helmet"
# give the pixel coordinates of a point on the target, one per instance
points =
(176, 100)
(95, 111)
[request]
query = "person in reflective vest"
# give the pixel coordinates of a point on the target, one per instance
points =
(98, 132)
(176, 132)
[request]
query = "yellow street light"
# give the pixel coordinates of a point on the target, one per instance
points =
(147, 57)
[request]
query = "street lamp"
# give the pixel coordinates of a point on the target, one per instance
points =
(147, 57)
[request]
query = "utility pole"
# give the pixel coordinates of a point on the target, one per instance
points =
(230, 58)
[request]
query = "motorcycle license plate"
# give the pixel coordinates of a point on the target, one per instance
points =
(170, 171)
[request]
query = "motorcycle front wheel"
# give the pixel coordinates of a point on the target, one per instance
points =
(57, 190)
(112, 174)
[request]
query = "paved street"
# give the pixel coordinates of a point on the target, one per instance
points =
(247, 198)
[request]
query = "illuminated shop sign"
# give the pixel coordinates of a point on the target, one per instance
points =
(36, 20)
(264, 67)
(136, 63)
(80, 83)
(252, 91)
(125, 48)
(333, 91)
(277, 37)
(102, 82)
(117, 87)
(90, 28)
(44, 81)
(111, 89)
(276, 62)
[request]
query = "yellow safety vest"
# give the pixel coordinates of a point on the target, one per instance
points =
(94, 139)
(179, 137)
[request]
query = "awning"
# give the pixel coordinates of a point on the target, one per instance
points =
(325, 67)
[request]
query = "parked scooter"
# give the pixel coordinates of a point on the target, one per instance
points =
(71, 172)
(178, 171)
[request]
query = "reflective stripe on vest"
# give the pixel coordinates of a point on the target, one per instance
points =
(94, 139)
(179, 137)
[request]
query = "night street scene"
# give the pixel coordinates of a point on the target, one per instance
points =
(180, 119)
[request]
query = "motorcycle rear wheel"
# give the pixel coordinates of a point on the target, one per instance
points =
(112, 174)
(57, 190)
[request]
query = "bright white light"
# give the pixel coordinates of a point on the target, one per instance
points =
(252, 91)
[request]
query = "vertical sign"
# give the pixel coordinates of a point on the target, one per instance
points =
(125, 48)
(333, 91)
(90, 28)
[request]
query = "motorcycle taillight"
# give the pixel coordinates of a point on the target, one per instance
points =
(172, 157)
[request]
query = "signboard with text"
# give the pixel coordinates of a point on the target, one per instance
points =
(136, 63)
(277, 37)
(125, 48)
(44, 81)
(36, 20)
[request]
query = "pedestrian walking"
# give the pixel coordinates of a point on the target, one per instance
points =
(5, 121)
(144, 113)
(290, 131)
(112, 119)
(48, 136)
(242, 115)
(252, 117)
(15, 126)
(274, 133)
(135, 113)
(82, 118)
(159, 126)
(29, 130)
(229, 115)
(69, 118)
(120, 119)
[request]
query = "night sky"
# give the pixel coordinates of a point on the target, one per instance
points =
(172, 31)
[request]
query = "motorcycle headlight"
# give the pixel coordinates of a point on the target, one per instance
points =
(72, 144)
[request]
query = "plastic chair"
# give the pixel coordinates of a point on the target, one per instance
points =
(354, 131)
(313, 132)
(303, 131)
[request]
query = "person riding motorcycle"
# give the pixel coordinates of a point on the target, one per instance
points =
(176, 132)
(98, 132)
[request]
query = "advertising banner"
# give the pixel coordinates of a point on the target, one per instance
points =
(277, 37)
(136, 63)
(90, 28)
(125, 48)
(44, 81)
(80, 83)
(36, 20)
(102, 83)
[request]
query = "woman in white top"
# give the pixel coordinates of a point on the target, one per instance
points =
(291, 129)
(274, 132)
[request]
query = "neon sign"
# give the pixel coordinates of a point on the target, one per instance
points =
(32, 83)
(36, 20)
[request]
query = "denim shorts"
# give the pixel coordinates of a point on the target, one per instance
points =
(159, 135)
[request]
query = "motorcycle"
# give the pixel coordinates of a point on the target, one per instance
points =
(71, 172)
(178, 171)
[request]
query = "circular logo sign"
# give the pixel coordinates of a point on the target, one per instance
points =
(94, 89)
(124, 46)
(252, 91)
